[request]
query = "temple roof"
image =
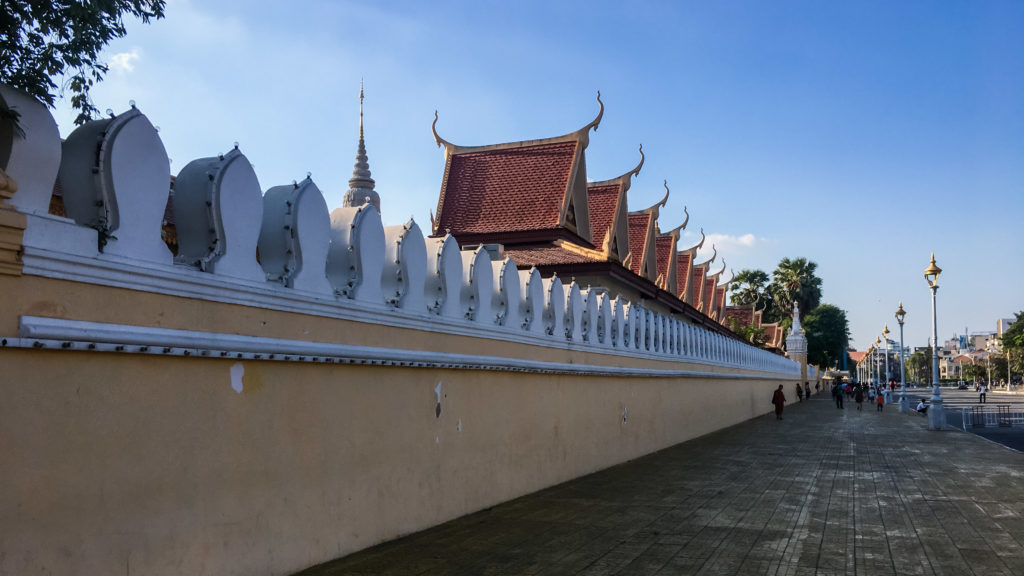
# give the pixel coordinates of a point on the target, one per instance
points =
(664, 249)
(607, 206)
(521, 186)
(506, 190)
(603, 200)
(548, 255)
(638, 224)
(744, 315)
(643, 228)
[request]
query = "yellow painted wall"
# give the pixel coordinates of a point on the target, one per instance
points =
(140, 464)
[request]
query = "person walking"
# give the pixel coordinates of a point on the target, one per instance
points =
(779, 399)
(880, 402)
(981, 392)
(799, 392)
(837, 393)
(858, 397)
(807, 390)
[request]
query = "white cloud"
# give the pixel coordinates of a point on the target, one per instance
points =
(727, 245)
(123, 62)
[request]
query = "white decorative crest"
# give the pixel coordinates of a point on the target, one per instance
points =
(591, 319)
(507, 297)
(405, 267)
(477, 285)
(532, 305)
(295, 237)
(116, 177)
(32, 161)
(554, 307)
(355, 259)
(574, 313)
(444, 277)
(216, 201)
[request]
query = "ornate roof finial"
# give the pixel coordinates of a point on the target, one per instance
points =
(361, 185)
(437, 139)
(636, 170)
(600, 114)
(681, 226)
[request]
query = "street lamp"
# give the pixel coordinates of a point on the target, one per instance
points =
(867, 361)
(888, 376)
(878, 367)
(936, 415)
(904, 405)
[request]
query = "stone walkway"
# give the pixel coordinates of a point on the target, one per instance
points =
(822, 492)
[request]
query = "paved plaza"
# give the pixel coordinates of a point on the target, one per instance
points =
(823, 491)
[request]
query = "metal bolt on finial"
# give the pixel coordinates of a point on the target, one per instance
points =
(110, 112)
(131, 103)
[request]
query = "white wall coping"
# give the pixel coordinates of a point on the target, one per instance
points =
(76, 335)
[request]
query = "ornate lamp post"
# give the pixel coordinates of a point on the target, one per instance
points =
(936, 415)
(878, 363)
(904, 404)
(868, 360)
(888, 375)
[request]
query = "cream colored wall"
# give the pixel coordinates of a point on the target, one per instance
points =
(118, 463)
(130, 463)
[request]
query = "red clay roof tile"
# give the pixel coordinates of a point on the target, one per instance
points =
(506, 189)
(638, 224)
(544, 255)
(601, 202)
(663, 253)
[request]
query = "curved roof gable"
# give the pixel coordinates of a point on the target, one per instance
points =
(517, 186)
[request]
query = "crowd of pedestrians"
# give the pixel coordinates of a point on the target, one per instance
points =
(877, 394)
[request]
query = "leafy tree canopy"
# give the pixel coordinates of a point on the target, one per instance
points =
(1013, 337)
(43, 41)
(828, 335)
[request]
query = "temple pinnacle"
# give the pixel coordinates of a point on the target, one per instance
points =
(360, 186)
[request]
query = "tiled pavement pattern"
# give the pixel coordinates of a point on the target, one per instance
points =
(822, 492)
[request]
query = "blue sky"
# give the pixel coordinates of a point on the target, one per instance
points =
(861, 135)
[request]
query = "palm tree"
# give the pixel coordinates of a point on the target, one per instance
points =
(748, 287)
(794, 282)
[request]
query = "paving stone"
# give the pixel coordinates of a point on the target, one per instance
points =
(822, 492)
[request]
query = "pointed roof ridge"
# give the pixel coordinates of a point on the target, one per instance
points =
(623, 179)
(696, 246)
(653, 209)
(732, 275)
(581, 135)
(682, 226)
(719, 273)
(713, 255)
